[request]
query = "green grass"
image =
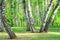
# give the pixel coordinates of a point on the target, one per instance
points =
(23, 29)
(22, 34)
(32, 36)
(19, 29)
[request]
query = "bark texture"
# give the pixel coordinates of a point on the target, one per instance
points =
(1, 24)
(26, 14)
(8, 29)
(30, 17)
(52, 16)
(46, 16)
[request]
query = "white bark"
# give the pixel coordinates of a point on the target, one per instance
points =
(30, 17)
(52, 16)
(1, 24)
(26, 14)
(46, 16)
(8, 29)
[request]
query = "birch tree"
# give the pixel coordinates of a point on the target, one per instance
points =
(26, 14)
(52, 16)
(30, 17)
(8, 29)
(46, 16)
(1, 24)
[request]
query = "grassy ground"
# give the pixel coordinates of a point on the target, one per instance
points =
(32, 36)
(23, 29)
(22, 34)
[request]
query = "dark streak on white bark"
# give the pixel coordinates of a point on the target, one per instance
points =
(46, 16)
(8, 29)
(52, 16)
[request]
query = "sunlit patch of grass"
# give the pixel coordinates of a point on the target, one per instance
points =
(32, 36)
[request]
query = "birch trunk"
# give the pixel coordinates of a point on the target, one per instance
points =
(46, 16)
(30, 17)
(52, 16)
(1, 24)
(8, 29)
(26, 14)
